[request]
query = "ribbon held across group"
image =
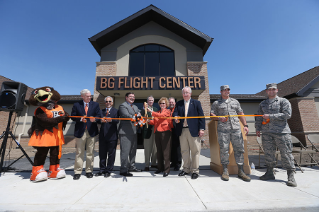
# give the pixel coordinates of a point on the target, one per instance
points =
(142, 120)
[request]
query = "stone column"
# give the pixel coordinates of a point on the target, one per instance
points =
(200, 69)
(103, 69)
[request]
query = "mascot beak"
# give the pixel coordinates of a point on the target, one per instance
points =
(43, 96)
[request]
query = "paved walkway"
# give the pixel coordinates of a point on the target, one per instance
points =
(149, 192)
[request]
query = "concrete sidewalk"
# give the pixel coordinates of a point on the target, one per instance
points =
(149, 192)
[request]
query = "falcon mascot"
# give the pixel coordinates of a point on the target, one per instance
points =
(47, 133)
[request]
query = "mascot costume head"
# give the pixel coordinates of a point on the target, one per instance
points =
(47, 133)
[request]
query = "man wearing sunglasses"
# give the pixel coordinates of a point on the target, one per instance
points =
(108, 138)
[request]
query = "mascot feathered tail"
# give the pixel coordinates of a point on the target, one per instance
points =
(47, 133)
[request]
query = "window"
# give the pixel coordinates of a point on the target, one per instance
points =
(152, 60)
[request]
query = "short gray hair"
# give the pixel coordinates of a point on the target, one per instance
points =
(108, 97)
(84, 91)
(150, 97)
(190, 90)
(171, 98)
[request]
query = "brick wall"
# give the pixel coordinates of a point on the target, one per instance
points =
(304, 117)
(200, 69)
(103, 69)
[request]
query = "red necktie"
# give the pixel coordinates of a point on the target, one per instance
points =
(107, 112)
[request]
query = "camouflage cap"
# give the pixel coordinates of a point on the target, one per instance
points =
(271, 85)
(224, 87)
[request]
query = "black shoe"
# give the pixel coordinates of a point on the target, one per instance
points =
(154, 166)
(135, 170)
(89, 175)
(127, 174)
(76, 176)
(176, 168)
(182, 173)
(99, 174)
(194, 176)
(107, 174)
(157, 171)
(165, 174)
(172, 165)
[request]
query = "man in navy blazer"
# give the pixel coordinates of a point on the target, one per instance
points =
(190, 132)
(108, 138)
(85, 132)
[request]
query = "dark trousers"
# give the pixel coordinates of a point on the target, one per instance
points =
(42, 153)
(163, 144)
(176, 156)
(107, 151)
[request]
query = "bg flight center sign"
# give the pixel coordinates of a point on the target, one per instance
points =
(150, 83)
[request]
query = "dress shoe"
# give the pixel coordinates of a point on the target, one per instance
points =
(107, 174)
(146, 169)
(126, 174)
(89, 175)
(157, 171)
(165, 174)
(194, 176)
(99, 174)
(176, 168)
(135, 170)
(76, 176)
(182, 173)
(154, 166)
(172, 165)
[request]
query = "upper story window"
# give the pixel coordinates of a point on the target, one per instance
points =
(152, 60)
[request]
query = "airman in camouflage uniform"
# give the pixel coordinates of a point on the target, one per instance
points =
(276, 133)
(229, 130)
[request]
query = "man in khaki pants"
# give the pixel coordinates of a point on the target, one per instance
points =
(190, 132)
(85, 132)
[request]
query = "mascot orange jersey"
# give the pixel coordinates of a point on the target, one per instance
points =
(48, 138)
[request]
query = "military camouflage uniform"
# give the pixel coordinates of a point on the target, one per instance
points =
(229, 130)
(276, 132)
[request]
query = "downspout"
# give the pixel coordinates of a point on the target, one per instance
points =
(24, 122)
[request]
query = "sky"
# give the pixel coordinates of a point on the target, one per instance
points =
(45, 43)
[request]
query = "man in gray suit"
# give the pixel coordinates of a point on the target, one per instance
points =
(127, 135)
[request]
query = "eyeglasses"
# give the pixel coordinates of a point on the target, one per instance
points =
(108, 101)
(162, 103)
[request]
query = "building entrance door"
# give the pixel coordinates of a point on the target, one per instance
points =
(140, 139)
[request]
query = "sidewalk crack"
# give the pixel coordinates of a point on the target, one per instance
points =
(196, 193)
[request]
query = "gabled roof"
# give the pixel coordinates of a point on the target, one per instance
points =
(150, 13)
(297, 85)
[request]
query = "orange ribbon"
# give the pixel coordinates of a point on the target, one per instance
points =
(135, 119)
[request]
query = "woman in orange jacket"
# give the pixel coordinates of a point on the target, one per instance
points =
(162, 130)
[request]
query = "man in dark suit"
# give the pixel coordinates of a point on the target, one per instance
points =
(128, 136)
(108, 138)
(85, 132)
(176, 156)
(190, 132)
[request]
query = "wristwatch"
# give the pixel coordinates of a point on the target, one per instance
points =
(246, 125)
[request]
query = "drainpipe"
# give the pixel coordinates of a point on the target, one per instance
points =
(24, 122)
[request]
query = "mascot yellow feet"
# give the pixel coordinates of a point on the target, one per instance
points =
(55, 172)
(38, 174)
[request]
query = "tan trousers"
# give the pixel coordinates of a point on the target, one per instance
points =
(88, 142)
(150, 151)
(190, 149)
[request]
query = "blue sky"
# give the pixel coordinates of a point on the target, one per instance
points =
(255, 42)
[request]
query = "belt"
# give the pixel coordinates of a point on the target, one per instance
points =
(185, 127)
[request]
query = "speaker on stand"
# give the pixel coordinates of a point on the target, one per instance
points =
(12, 95)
